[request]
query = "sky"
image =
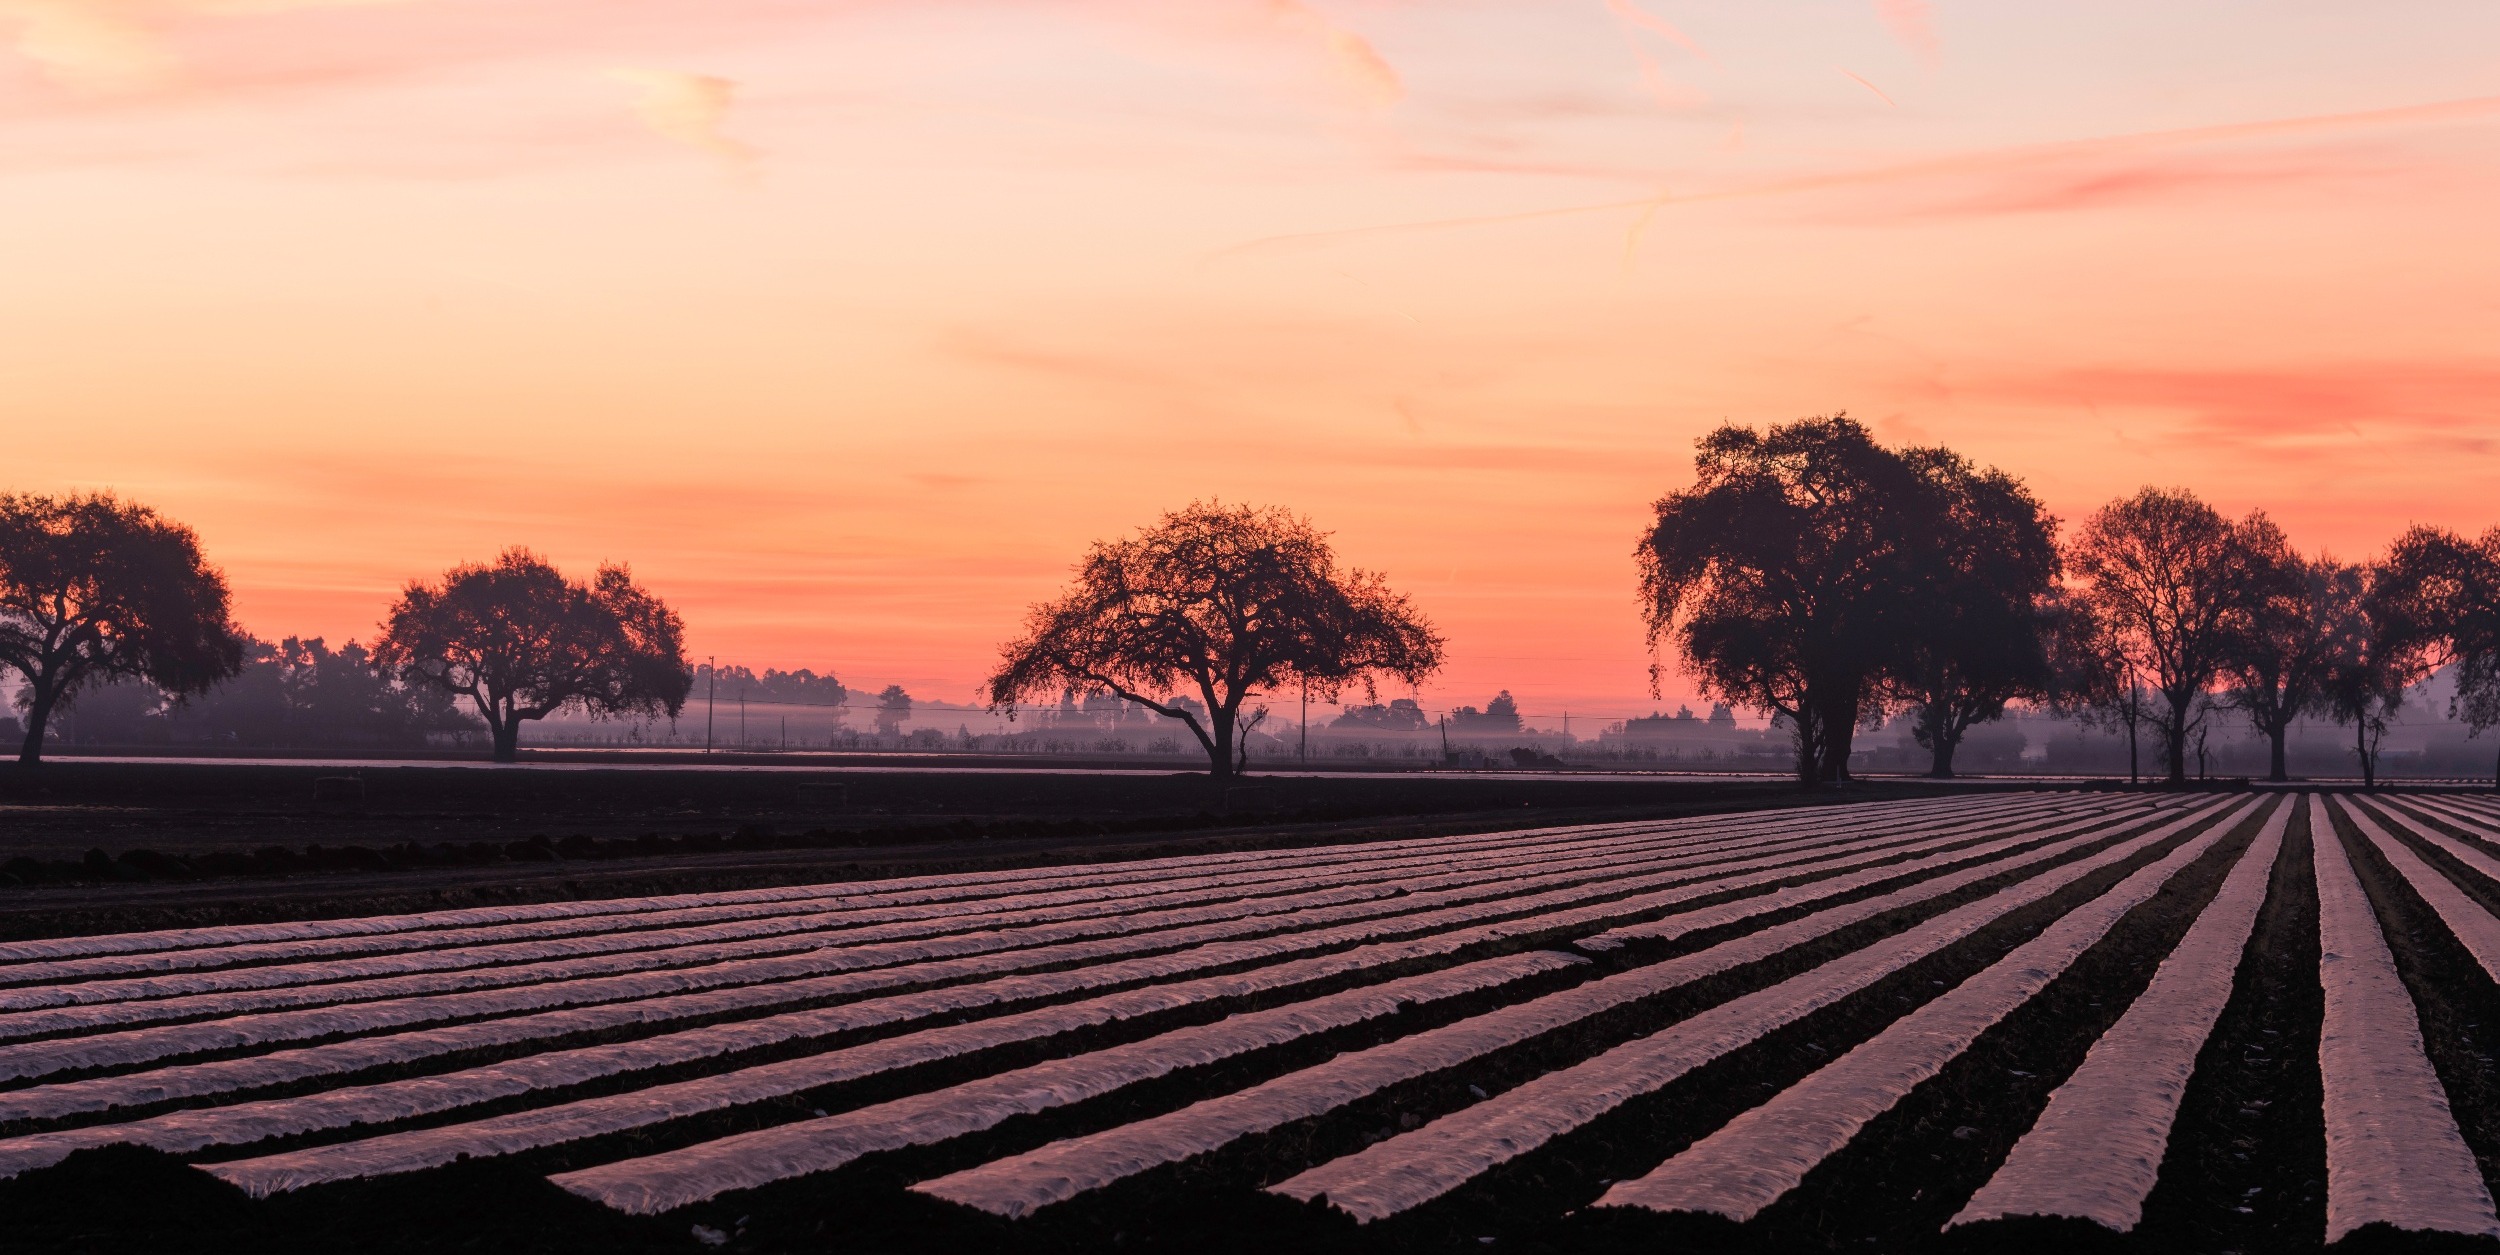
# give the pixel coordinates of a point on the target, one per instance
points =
(849, 324)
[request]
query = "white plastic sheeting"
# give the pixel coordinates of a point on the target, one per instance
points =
(1764, 1153)
(561, 983)
(959, 1108)
(2393, 1152)
(892, 891)
(2097, 1148)
(657, 1183)
(1417, 1167)
(1021, 1184)
(105, 1093)
(854, 909)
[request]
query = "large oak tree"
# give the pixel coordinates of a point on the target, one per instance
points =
(522, 642)
(94, 588)
(1227, 602)
(1784, 575)
(1973, 635)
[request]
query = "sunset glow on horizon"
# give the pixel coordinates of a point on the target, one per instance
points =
(850, 325)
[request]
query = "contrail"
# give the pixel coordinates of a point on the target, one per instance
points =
(1873, 88)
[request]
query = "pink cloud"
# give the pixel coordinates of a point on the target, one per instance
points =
(1358, 68)
(1913, 22)
(1668, 93)
(688, 109)
(96, 46)
(2328, 411)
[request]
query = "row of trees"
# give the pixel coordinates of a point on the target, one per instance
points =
(1809, 573)
(95, 590)
(1815, 575)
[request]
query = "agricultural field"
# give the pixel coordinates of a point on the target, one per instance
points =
(2160, 1022)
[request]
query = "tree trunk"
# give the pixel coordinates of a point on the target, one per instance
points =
(507, 739)
(2274, 770)
(2176, 735)
(38, 713)
(1840, 724)
(1942, 747)
(2361, 750)
(2135, 774)
(1809, 753)
(1220, 742)
(1836, 755)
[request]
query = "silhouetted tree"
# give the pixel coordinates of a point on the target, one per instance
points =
(96, 588)
(2283, 648)
(893, 707)
(1232, 601)
(522, 642)
(301, 692)
(2093, 680)
(1782, 576)
(2167, 578)
(1972, 637)
(2373, 657)
(2441, 594)
(1402, 714)
(1501, 715)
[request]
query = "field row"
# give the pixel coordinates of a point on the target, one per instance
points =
(2208, 1021)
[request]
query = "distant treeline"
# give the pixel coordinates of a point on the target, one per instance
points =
(300, 693)
(296, 694)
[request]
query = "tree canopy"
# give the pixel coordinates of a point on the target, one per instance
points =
(2440, 593)
(1972, 635)
(1787, 577)
(2283, 646)
(1229, 602)
(2168, 581)
(95, 588)
(522, 642)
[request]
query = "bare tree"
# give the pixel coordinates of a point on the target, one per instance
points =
(1232, 602)
(2093, 681)
(2373, 659)
(522, 642)
(2282, 652)
(2167, 577)
(93, 588)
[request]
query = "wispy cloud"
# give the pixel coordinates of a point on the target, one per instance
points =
(1913, 22)
(121, 45)
(1669, 93)
(689, 109)
(1357, 67)
(2296, 413)
(2053, 162)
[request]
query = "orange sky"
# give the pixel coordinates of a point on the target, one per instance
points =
(850, 324)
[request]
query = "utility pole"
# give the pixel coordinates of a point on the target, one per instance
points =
(711, 698)
(1306, 720)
